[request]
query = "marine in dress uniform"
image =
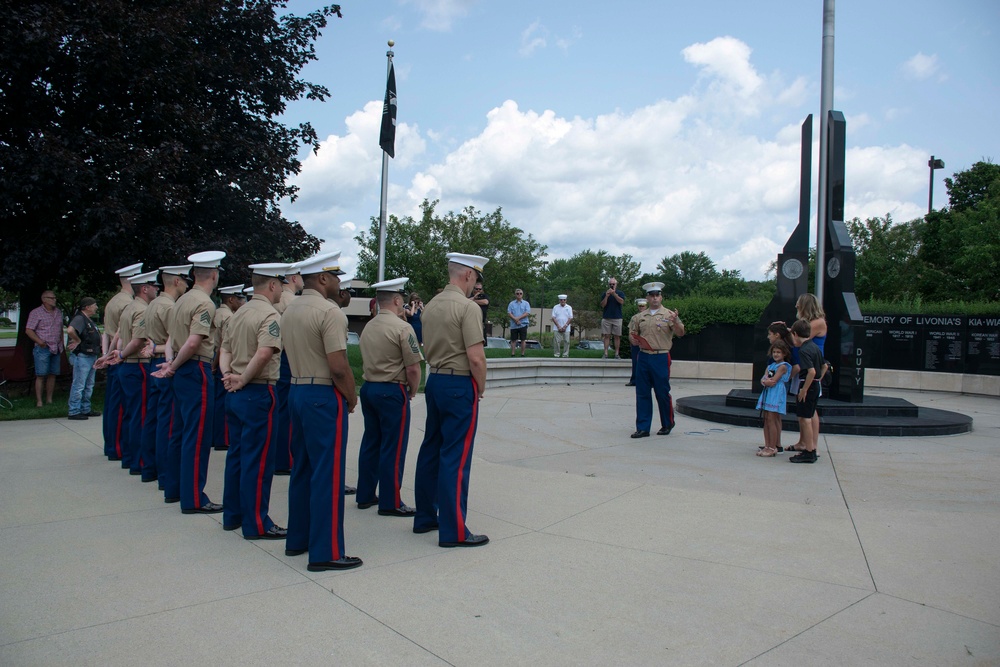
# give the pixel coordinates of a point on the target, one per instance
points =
(654, 330)
(249, 362)
(283, 444)
(192, 342)
(231, 297)
(135, 369)
(314, 332)
(391, 358)
(456, 380)
(633, 344)
(159, 392)
(113, 411)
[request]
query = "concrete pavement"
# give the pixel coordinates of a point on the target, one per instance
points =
(678, 550)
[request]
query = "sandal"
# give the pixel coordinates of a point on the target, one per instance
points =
(767, 452)
(779, 450)
(795, 448)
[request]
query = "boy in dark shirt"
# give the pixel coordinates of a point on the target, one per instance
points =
(810, 363)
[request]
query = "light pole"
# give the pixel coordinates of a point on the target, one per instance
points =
(541, 315)
(933, 164)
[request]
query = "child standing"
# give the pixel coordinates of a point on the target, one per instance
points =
(810, 364)
(772, 400)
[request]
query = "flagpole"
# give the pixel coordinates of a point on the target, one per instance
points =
(826, 105)
(385, 183)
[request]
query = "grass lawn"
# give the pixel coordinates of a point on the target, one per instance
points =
(8, 333)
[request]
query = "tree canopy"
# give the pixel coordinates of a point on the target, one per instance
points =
(147, 131)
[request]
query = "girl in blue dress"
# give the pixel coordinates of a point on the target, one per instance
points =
(772, 400)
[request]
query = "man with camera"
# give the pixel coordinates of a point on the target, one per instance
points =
(611, 324)
(480, 299)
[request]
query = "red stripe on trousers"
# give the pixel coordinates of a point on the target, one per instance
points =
(399, 445)
(263, 463)
(460, 520)
(337, 490)
(201, 434)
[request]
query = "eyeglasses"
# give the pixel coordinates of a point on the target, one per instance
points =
(652, 294)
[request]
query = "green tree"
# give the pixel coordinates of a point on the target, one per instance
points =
(146, 131)
(417, 249)
(683, 273)
(971, 186)
(583, 278)
(887, 265)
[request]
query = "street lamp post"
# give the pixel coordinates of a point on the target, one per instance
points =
(541, 312)
(933, 164)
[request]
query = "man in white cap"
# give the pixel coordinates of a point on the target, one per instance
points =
(160, 393)
(314, 332)
(192, 342)
(456, 381)
(391, 358)
(283, 430)
(249, 362)
(633, 343)
(230, 298)
(654, 330)
(562, 319)
(135, 370)
(113, 413)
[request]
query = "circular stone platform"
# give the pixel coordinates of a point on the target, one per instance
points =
(875, 416)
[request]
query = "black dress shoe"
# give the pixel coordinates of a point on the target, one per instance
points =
(94, 413)
(470, 541)
(364, 506)
(350, 491)
(640, 434)
(171, 500)
(425, 529)
(146, 480)
(345, 563)
(235, 526)
(295, 552)
(282, 473)
(221, 448)
(272, 533)
(665, 430)
(77, 417)
(402, 510)
(207, 508)
(630, 384)
(134, 472)
(114, 458)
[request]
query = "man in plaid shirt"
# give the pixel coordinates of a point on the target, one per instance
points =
(45, 328)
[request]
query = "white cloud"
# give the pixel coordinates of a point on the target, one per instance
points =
(920, 67)
(439, 15)
(691, 173)
(532, 38)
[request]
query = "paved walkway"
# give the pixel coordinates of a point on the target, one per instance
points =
(679, 550)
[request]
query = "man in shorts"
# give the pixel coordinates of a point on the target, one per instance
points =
(518, 311)
(611, 322)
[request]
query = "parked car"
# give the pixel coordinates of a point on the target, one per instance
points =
(530, 344)
(353, 338)
(497, 343)
(590, 345)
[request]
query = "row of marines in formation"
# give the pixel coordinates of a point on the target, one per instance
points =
(268, 380)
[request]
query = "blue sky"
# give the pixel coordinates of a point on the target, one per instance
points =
(647, 128)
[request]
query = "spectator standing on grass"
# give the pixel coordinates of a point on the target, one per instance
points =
(45, 329)
(562, 318)
(85, 347)
(518, 311)
(611, 322)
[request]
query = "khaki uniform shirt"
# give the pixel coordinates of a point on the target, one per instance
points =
(222, 316)
(451, 324)
(158, 319)
(312, 328)
(133, 324)
(388, 346)
(192, 314)
(113, 312)
(286, 298)
(654, 328)
(255, 325)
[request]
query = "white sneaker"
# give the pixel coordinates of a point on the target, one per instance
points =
(566, 355)
(556, 354)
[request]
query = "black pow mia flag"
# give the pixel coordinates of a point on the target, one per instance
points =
(387, 137)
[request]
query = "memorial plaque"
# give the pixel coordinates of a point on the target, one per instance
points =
(982, 346)
(942, 343)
